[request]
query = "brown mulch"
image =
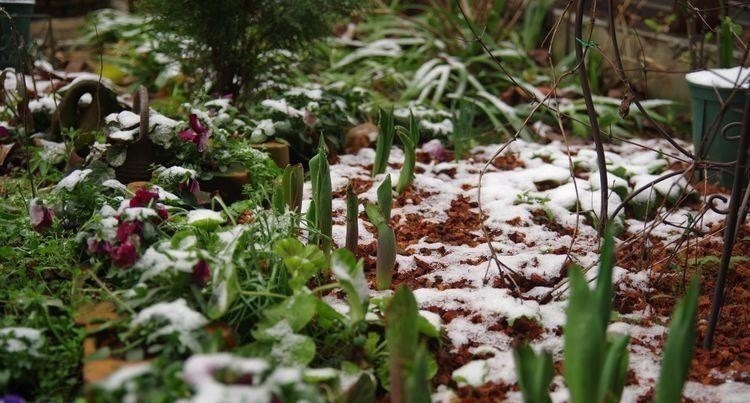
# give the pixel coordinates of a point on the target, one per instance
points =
(731, 351)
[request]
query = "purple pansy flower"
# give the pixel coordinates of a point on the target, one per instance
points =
(201, 273)
(196, 134)
(40, 215)
(124, 255)
(143, 196)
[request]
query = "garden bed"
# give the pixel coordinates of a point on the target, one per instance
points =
(443, 257)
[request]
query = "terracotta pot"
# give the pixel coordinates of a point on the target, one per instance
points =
(278, 152)
(228, 184)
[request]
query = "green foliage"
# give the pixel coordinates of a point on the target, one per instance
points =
(302, 261)
(727, 30)
(532, 27)
(380, 217)
(386, 257)
(292, 181)
(410, 139)
(678, 351)
(385, 198)
(350, 273)
(535, 372)
(463, 129)
(385, 141)
(320, 176)
(237, 37)
(594, 367)
(407, 372)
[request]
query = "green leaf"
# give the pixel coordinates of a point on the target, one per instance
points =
(297, 310)
(386, 262)
(224, 290)
(303, 261)
(401, 334)
(385, 198)
(384, 142)
(350, 273)
(417, 381)
(327, 318)
(615, 370)
(410, 140)
(585, 330)
(320, 177)
(363, 391)
(535, 372)
(678, 352)
(282, 345)
(375, 215)
(426, 328)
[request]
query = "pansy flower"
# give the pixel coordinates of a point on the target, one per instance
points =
(196, 133)
(201, 273)
(4, 132)
(40, 215)
(124, 255)
(143, 196)
(127, 229)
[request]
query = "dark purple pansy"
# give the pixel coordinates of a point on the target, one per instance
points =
(124, 255)
(161, 210)
(143, 196)
(97, 247)
(196, 134)
(127, 229)
(4, 132)
(39, 215)
(201, 273)
(190, 185)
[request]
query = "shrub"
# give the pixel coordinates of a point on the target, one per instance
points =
(237, 37)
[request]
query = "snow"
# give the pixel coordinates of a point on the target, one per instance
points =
(18, 339)
(735, 77)
(201, 216)
(281, 106)
(445, 127)
(199, 371)
(118, 379)
(124, 135)
(180, 317)
(124, 119)
(176, 172)
(69, 182)
(473, 374)
(161, 258)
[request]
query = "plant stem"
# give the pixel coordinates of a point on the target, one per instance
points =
(326, 287)
(586, 89)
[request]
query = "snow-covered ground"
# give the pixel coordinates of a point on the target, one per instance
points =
(530, 215)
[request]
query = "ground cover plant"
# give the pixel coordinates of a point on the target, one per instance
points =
(437, 232)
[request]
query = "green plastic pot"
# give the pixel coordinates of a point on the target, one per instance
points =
(717, 141)
(20, 12)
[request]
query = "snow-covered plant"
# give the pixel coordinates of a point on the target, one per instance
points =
(386, 131)
(409, 139)
(301, 114)
(350, 274)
